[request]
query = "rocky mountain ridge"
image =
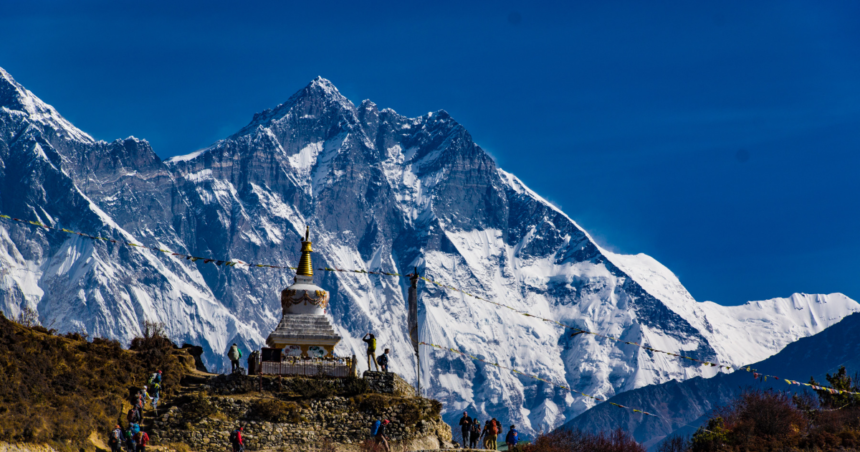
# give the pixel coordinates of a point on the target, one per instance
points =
(379, 191)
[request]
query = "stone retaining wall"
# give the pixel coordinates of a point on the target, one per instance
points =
(335, 418)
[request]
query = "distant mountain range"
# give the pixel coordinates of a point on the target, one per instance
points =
(379, 191)
(684, 406)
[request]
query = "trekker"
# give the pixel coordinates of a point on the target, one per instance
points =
(156, 395)
(133, 416)
(512, 438)
(371, 350)
(142, 439)
(383, 361)
(474, 433)
(380, 436)
(234, 354)
(130, 444)
(115, 440)
(155, 378)
(236, 440)
(486, 434)
(495, 429)
(465, 427)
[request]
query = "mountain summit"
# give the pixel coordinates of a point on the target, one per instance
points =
(379, 191)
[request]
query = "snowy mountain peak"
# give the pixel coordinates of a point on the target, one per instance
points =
(15, 98)
(381, 192)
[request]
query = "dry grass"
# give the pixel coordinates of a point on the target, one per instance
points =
(62, 388)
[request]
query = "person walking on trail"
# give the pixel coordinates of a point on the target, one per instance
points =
(380, 436)
(134, 416)
(465, 427)
(234, 354)
(236, 440)
(130, 444)
(115, 440)
(383, 361)
(474, 433)
(142, 439)
(155, 396)
(512, 438)
(370, 339)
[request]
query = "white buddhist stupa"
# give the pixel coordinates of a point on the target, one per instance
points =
(304, 325)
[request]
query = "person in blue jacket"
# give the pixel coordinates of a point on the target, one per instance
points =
(512, 439)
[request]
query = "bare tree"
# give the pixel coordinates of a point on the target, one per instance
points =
(153, 329)
(28, 317)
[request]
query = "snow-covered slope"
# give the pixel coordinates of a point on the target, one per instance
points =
(379, 191)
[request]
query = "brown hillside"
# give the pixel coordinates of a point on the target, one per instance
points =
(61, 388)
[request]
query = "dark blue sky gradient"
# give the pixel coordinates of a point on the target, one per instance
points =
(722, 138)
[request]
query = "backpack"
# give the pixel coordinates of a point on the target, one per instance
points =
(374, 429)
(153, 378)
(382, 360)
(116, 435)
(135, 428)
(234, 436)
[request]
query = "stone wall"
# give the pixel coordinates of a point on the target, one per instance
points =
(389, 383)
(337, 410)
(337, 419)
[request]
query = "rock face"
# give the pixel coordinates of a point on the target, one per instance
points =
(381, 192)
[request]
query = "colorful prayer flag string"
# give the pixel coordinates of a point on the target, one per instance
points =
(237, 262)
(217, 262)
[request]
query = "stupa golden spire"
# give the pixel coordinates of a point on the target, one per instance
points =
(306, 267)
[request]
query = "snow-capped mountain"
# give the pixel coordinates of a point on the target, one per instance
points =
(379, 191)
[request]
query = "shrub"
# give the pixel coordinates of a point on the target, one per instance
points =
(578, 441)
(197, 407)
(274, 410)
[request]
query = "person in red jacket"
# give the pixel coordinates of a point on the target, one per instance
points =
(236, 440)
(142, 439)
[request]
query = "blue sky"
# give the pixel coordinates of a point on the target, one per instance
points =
(719, 137)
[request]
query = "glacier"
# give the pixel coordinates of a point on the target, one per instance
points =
(379, 191)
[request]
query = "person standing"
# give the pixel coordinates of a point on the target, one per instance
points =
(486, 433)
(234, 354)
(465, 427)
(512, 438)
(474, 433)
(383, 361)
(495, 429)
(370, 339)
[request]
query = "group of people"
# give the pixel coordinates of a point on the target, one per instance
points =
(381, 362)
(133, 439)
(472, 433)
